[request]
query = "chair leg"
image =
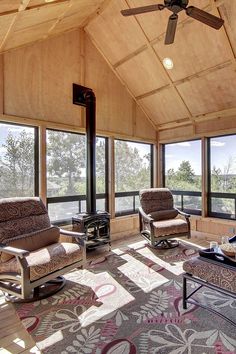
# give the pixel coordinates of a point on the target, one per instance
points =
(184, 293)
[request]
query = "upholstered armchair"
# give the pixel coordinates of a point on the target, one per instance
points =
(158, 219)
(32, 256)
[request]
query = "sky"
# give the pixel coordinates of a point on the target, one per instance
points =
(222, 149)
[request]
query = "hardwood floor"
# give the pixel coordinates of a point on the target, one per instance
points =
(15, 339)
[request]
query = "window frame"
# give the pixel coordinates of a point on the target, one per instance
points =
(82, 197)
(134, 194)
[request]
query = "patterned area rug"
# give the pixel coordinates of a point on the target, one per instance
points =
(130, 302)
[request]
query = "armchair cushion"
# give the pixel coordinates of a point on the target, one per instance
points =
(169, 227)
(163, 214)
(32, 241)
(156, 199)
(46, 260)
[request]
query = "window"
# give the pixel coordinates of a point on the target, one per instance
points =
(182, 168)
(18, 161)
(133, 171)
(66, 174)
(222, 176)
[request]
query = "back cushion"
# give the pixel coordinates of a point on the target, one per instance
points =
(33, 241)
(156, 199)
(21, 216)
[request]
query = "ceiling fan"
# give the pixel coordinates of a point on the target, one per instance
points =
(176, 6)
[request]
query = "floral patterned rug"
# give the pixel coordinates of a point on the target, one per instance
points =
(130, 302)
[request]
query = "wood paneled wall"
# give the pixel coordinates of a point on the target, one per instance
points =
(38, 85)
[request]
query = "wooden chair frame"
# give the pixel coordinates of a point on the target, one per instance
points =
(20, 286)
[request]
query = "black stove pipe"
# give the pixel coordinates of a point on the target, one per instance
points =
(84, 96)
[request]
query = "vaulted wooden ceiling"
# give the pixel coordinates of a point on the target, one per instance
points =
(202, 82)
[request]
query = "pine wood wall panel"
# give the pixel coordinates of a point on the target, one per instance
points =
(228, 13)
(213, 92)
(164, 106)
(38, 85)
(114, 105)
(191, 61)
(214, 125)
(123, 34)
(38, 80)
(1, 84)
(181, 133)
(143, 73)
(143, 128)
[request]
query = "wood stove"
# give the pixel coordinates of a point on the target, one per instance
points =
(95, 224)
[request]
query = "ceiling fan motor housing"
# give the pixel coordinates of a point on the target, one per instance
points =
(176, 5)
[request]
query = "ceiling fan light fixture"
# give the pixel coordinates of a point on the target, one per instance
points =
(168, 63)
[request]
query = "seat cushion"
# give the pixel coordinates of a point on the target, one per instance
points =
(46, 260)
(169, 227)
(33, 241)
(224, 278)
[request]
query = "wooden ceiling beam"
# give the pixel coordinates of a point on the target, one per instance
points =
(178, 123)
(231, 112)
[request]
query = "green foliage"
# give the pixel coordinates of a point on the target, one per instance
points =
(132, 171)
(17, 166)
(66, 158)
(183, 179)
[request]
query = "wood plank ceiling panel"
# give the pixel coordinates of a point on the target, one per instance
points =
(143, 73)
(154, 23)
(213, 92)
(9, 5)
(189, 51)
(165, 106)
(116, 35)
(25, 36)
(84, 6)
(38, 16)
(76, 14)
(228, 13)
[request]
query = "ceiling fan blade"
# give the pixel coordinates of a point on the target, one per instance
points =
(142, 9)
(171, 28)
(205, 17)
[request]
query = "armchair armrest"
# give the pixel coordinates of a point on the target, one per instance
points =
(145, 216)
(14, 251)
(79, 236)
(183, 213)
